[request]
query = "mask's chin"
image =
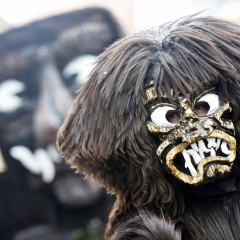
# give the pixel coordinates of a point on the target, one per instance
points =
(201, 161)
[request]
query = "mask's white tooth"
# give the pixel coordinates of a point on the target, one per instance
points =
(218, 143)
(202, 156)
(213, 153)
(211, 142)
(194, 147)
(202, 149)
(202, 146)
(195, 155)
(26, 157)
(224, 148)
(46, 165)
(188, 163)
(54, 154)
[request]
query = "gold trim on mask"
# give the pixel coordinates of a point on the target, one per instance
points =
(217, 169)
(155, 129)
(151, 94)
(227, 123)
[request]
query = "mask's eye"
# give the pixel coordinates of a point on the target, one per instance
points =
(165, 116)
(207, 105)
(201, 108)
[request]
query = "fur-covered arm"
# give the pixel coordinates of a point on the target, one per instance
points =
(147, 226)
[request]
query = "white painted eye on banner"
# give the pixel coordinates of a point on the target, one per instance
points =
(9, 101)
(207, 105)
(77, 70)
(165, 116)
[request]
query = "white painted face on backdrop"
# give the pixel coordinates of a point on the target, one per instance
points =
(42, 161)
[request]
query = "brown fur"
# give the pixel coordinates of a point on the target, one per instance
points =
(104, 136)
(148, 226)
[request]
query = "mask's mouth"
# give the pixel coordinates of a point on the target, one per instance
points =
(188, 160)
(202, 160)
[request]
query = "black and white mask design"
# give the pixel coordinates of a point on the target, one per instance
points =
(197, 138)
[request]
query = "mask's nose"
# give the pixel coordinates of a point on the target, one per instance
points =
(194, 127)
(187, 110)
(54, 101)
(188, 113)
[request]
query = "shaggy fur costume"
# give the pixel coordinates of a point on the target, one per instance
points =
(105, 136)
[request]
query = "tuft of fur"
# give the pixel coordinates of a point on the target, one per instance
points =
(104, 136)
(147, 226)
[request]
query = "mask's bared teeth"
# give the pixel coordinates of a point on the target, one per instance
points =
(202, 146)
(224, 148)
(188, 163)
(197, 151)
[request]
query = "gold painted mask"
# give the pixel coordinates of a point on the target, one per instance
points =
(197, 138)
